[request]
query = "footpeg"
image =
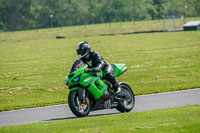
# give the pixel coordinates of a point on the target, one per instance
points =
(118, 91)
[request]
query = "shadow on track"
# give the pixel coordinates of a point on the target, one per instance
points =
(95, 115)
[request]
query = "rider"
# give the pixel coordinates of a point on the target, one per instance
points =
(94, 60)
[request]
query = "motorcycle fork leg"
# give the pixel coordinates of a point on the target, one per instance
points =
(81, 95)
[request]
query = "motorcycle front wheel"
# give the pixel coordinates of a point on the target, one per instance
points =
(79, 109)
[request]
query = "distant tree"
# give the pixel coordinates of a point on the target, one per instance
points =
(181, 7)
(31, 14)
(15, 14)
(158, 6)
(194, 7)
(141, 9)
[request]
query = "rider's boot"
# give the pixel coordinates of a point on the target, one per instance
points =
(117, 89)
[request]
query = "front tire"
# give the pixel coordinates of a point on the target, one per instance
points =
(78, 109)
(128, 104)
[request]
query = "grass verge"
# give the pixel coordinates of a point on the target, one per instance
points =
(180, 119)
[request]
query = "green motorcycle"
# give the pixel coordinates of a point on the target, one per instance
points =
(90, 92)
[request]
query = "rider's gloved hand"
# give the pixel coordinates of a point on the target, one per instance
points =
(93, 70)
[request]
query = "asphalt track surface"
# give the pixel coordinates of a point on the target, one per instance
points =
(62, 112)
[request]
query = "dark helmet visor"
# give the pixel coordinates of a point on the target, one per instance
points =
(81, 52)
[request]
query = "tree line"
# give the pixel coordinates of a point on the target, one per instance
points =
(34, 14)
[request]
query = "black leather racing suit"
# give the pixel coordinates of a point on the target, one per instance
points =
(96, 62)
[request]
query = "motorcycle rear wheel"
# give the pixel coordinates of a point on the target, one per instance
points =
(126, 105)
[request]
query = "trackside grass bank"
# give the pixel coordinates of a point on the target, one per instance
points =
(33, 67)
(91, 30)
(181, 119)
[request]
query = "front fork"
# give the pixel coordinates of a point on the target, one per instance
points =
(81, 96)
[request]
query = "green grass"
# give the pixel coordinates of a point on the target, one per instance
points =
(33, 64)
(90, 30)
(181, 119)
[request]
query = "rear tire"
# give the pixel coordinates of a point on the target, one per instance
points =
(131, 101)
(75, 105)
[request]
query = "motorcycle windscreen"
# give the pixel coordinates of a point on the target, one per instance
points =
(76, 65)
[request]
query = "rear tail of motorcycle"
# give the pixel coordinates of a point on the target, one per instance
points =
(119, 69)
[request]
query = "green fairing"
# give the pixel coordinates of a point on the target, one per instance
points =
(93, 84)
